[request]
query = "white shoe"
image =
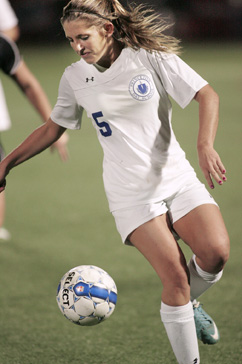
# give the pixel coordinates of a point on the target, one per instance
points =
(4, 234)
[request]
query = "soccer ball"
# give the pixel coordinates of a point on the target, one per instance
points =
(86, 295)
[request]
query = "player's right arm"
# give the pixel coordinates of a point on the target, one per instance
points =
(35, 143)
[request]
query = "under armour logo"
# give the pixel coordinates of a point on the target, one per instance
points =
(89, 79)
(195, 361)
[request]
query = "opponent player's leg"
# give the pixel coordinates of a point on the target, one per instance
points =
(204, 231)
(4, 233)
(155, 241)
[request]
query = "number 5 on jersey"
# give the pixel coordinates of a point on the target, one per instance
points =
(104, 127)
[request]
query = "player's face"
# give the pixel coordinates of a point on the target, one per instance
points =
(93, 44)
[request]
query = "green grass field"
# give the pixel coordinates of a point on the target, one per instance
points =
(58, 217)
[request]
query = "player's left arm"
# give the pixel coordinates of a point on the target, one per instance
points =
(37, 97)
(209, 160)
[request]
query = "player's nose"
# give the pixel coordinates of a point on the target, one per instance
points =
(79, 47)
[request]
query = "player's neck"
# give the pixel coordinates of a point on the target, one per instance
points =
(113, 53)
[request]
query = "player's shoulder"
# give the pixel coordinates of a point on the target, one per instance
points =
(77, 67)
(77, 73)
(155, 61)
(156, 55)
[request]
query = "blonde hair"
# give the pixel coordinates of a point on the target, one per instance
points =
(136, 27)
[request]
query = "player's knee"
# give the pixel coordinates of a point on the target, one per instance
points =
(223, 250)
(218, 255)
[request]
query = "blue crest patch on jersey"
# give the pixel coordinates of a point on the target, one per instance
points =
(141, 88)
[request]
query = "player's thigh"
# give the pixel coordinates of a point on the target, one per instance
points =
(203, 229)
(156, 242)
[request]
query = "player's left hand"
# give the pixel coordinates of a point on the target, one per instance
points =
(211, 165)
(61, 146)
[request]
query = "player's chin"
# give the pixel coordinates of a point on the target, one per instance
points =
(88, 57)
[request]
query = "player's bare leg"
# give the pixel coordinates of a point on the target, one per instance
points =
(156, 242)
(204, 231)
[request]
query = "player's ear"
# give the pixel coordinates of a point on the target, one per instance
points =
(108, 29)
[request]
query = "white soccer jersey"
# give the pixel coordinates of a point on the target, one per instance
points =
(129, 106)
(8, 18)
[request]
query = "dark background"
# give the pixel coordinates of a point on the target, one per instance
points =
(195, 20)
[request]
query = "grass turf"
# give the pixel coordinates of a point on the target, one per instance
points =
(58, 217)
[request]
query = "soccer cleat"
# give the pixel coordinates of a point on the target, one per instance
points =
(206, 328)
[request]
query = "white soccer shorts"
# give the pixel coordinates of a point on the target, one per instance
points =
(178, 205)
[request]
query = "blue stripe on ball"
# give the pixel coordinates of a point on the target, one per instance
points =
(99, 292)
(113, 298)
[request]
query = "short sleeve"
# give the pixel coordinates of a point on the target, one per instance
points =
(8, 18)
(180, 81)
(67, 112)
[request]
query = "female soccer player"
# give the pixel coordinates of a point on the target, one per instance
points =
(128, 67)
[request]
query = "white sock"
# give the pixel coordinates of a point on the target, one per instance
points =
(200, 280)
(181, 331)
